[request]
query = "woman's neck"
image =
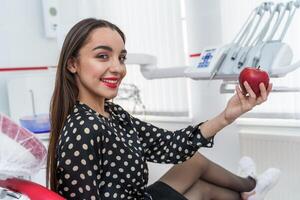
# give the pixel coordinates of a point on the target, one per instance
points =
(97, 104)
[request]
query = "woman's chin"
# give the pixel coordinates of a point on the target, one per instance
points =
(110, 96)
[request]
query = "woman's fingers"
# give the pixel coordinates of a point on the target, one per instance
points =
(269, 89)
(252, 95)
(245, 105)
(249, 90)
(250, 100)
(264, 93)
(241, 96)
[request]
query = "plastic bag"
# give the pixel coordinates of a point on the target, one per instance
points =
(21, 153)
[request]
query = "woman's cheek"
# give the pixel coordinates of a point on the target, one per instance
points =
(125, 72)
(98, 70)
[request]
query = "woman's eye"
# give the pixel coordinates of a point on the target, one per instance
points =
(123, 58)
(102, 56)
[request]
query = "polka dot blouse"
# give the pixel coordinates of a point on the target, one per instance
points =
(105, 158)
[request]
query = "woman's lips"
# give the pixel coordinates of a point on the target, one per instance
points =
(110, 82)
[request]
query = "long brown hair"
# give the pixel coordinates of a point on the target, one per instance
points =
(66, 91)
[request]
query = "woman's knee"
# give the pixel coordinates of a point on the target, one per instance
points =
(206, 191)
(202, 161)
(199, 190)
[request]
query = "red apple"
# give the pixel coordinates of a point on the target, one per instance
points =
(254, 76)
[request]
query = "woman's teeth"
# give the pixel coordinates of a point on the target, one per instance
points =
(109, 81)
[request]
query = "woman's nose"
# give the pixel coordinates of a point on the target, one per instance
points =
(116, 66)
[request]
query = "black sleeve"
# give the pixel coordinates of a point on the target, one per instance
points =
(78, 167)
(165, 146)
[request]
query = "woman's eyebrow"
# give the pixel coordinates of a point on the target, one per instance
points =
(103, 47)
(108, 48)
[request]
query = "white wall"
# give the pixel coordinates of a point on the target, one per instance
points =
(23, 42)
(22, 37)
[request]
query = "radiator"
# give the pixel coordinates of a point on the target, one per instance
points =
(274, 143)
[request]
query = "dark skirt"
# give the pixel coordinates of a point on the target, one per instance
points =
(161, 191)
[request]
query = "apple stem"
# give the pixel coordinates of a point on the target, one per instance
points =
(258, 67)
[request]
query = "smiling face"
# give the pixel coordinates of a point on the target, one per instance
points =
(99, 67)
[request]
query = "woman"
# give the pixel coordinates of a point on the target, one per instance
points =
(99, 151)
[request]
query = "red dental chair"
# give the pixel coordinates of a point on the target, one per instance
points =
(24, 189)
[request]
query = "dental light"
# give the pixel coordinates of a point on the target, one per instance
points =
(254, 45)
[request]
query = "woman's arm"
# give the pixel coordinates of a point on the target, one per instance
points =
(78, 166)
(211, 127)
(236, 106)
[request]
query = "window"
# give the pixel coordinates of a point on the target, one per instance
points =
(153, 27)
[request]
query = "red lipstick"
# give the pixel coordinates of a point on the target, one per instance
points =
(111, 82)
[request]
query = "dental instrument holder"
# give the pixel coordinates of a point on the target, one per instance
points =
(273, 56)
(219, 62)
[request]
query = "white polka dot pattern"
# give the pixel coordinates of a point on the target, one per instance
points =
(105, 158)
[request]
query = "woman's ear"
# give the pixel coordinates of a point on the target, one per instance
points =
(72, 66)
